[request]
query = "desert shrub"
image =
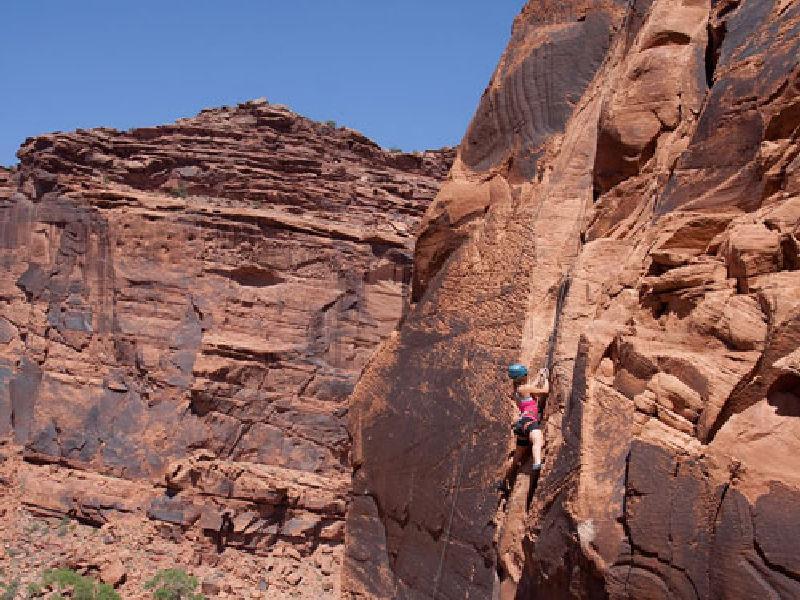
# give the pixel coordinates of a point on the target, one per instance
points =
(179, 191)
(174, 584)
(63, 526)
(8, 591)
(35, 527)
(77, 586)
(331, 124)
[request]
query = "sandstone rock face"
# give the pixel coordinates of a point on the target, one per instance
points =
(184, 311)
(6, 175)
(625, 204)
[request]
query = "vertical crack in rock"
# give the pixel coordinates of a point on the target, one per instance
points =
(715, 37)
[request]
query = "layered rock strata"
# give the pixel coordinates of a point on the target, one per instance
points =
(184, 310)
(6, 176)
(625, 205)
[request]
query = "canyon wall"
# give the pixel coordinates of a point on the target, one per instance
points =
(184, 311)
(625, 207)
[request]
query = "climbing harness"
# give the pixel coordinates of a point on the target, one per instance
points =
(522, 428)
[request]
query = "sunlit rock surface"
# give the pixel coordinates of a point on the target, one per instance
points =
(627, 196)
(184, 310)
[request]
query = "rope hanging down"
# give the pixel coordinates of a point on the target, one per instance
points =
(456, 489)
(563, 290)
(562, 295)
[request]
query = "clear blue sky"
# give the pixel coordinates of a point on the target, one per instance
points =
(407, 73)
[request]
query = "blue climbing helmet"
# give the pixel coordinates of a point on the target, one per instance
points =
(517, 371)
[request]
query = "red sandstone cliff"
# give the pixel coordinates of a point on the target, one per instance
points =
(627, 199)
(184, 311)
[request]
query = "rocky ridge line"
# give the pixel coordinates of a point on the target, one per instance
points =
(184, 310)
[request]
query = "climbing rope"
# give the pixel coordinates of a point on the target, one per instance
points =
(456, 489)
(460, 465)
(560, 301)
(564, 285)
(563, 290)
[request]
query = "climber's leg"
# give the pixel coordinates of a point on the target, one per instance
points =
(521, 451)
(536, 446)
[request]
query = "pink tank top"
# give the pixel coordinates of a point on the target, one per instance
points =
(527, 406)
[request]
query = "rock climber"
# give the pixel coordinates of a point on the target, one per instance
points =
(527, 397)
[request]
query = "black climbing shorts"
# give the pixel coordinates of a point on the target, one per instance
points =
(522, 429)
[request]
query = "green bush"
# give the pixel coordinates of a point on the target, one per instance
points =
(79, 587)
(63, 526)
(8, 591)
(35, 527)
(174, 584)
(331, 124)
(179, 191)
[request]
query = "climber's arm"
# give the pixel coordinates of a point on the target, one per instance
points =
(540, 386)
